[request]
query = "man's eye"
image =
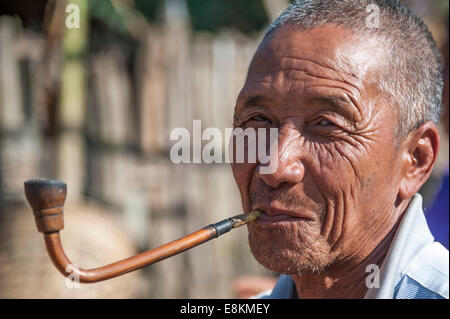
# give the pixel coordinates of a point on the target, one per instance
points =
(325, 123)
(259, 118)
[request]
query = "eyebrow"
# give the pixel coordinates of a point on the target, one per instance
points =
(332, 101)
(338, 103)
(249, 100)
(335, 102)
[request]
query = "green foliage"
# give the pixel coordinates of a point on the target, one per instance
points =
(104, 11)
(212, 15)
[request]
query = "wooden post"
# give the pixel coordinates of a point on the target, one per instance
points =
(71, 144)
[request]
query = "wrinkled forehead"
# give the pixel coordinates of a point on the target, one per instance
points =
(333, 49)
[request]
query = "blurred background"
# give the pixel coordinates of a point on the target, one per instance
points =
(94, 106)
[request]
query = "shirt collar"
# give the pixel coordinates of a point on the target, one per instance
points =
(411, 236)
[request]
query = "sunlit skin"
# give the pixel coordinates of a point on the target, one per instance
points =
(343, 180)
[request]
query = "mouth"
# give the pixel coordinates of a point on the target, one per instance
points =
(272, 214)
(277, 218)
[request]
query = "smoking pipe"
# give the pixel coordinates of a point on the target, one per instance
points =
(47, 196)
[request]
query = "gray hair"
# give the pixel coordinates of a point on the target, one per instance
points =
(411, 80)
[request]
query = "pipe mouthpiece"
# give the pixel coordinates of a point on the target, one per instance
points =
(246, 218)
(46, 197)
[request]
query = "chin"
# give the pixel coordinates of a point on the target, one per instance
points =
(287, 251)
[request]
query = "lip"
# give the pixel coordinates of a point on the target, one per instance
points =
(276, 218)
(273, 214)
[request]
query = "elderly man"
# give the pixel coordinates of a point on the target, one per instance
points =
(356, 106)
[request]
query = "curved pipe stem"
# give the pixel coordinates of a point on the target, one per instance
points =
(65, 266)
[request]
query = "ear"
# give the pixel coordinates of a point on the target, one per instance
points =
(420, 149)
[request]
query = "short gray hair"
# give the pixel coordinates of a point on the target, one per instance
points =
(411, 81)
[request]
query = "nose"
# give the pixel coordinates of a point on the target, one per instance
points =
(290, 167)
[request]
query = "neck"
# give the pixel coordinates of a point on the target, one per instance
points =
(347, 279)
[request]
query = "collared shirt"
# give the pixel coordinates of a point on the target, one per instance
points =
(415, 267)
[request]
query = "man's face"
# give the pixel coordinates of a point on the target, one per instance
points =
(336, 183)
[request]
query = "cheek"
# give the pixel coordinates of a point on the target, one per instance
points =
(335, 167)
(350, 178)
(363, 170)
(339, 172)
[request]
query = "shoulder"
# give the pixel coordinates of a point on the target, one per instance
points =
(427, 276)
